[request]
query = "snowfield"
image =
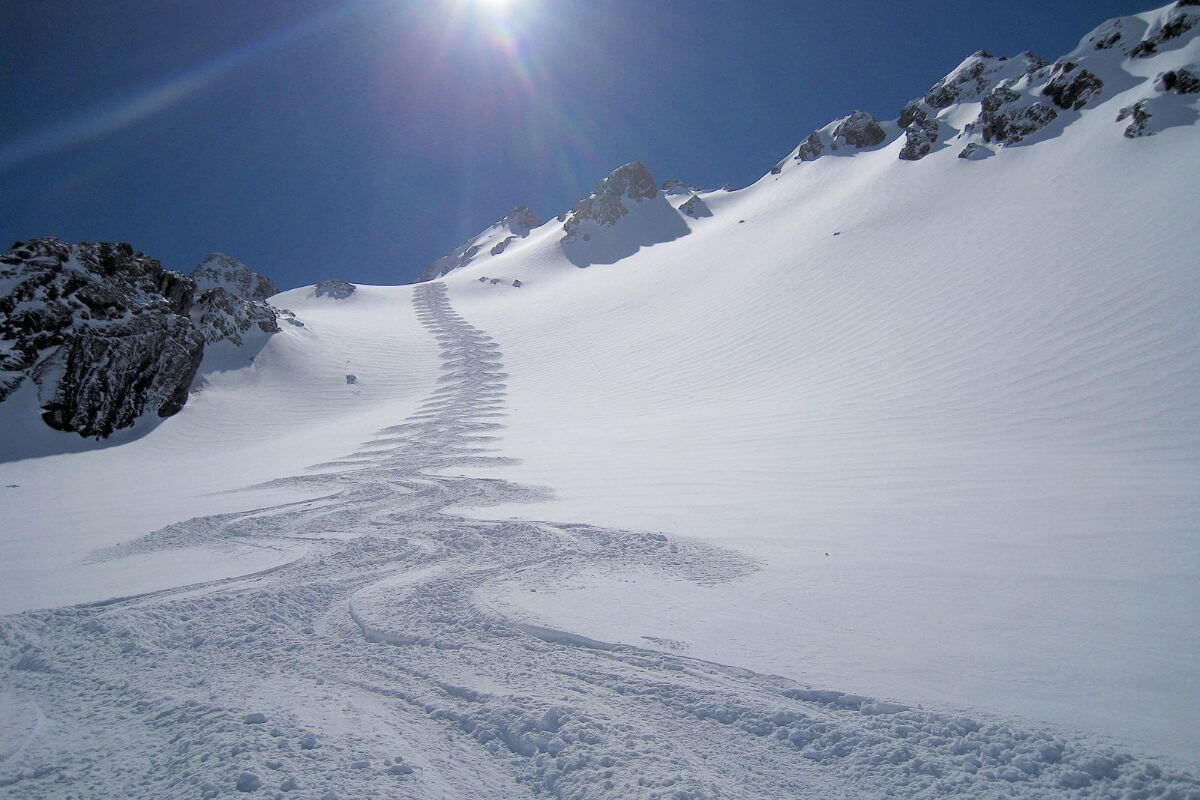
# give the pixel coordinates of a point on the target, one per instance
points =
(881, 478)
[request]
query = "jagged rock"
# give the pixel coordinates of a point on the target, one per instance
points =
(975, 152)
(1139, 125)
(603, 206)
(594, 232)
(336, 288)
(229, 273)
(859, 129)
(810, 149)
(219, 315)
(231, 298)
(106, 334)
(1006, 120)
(1070, 89)
(516, 283)
(521, 220)
(1179, 81)
(518, 222)
(675, 187)
(1179, 21)
(696, 208)
(99, 382)
(971, 79)
(920, 132)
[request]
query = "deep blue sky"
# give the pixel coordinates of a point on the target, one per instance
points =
(363, 139)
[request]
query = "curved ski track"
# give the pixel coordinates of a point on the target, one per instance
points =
(369, 668)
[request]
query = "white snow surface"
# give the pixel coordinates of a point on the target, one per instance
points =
(881, 479)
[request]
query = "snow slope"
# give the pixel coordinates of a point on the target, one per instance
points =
(926, 431)
(247, 423)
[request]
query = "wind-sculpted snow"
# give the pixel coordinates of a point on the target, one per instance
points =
(374, 664)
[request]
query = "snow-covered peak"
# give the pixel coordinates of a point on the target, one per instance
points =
(597, 231)
(226, 272)
(989, 102)
(493, 240)
(521, 220)
(606, 204)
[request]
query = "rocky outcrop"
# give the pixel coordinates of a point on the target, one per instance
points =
(1139, 120)
(105, 334)
(334, 288)
(1071, 88)
(521, 220)
(99, 381)
(516, 224)
(859, 130)
(1178, 21)
(625, 213)
(976, 75)
(810, 149)
(230, 299)
(921, 131)
(695, 208)
(226, 272)
(604, 206)
(501, 245)
(1179, 81)
(1007, 117)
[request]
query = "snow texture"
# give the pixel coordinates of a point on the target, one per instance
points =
(879, 481)
(375, 645)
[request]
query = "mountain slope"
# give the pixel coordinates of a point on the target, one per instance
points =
(914, 444)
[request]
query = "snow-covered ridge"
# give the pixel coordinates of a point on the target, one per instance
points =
(105, 334)
(495, 239)
(990, 102)
(984, 104)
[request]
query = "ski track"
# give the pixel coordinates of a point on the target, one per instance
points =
(372, 667)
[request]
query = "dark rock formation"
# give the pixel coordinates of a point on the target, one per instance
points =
(1006, 120)
(1139, 118)
(1070, 88)
(106, 334)
(974, 76)
(696, 208)
(1179, 21)
(500, 246)
(103, 380)
(810, 149)
(231, 298)
(920, 132)
(335, 288)
(1179, 81)
(521, 220)
(859, 130)
(603, 206)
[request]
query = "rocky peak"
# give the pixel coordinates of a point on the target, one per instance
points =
(230, 274)
(605, 206)
(676, 187)
(977, 74)
(516, 224)
(521, 220)
(230, 298)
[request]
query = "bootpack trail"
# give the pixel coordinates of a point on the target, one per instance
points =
(373, 666)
